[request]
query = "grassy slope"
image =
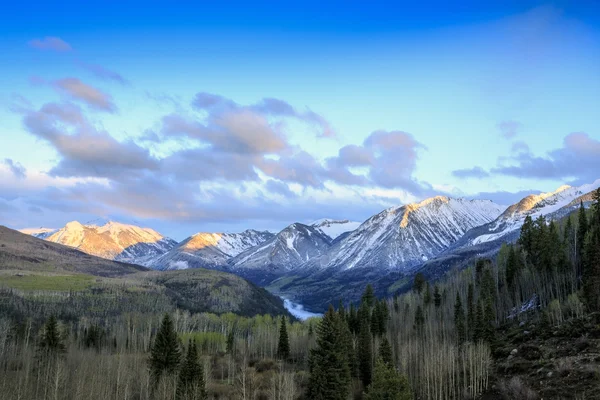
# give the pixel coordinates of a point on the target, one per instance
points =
(41, 270)
(19, 251)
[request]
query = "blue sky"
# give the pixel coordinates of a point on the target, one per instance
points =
(186, 117)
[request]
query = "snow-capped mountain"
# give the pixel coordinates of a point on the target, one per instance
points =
(334, 228)
(40, 233)
(293, 246)
(552, 205)
(209, 250)
(113, 241)
(406, 236)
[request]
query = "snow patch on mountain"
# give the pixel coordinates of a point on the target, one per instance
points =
(334, 228)
(40, 233)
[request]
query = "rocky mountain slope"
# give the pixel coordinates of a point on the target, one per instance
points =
(552, 205)
(209, 250)
(404, 237)
(283, 253)
(113, 241)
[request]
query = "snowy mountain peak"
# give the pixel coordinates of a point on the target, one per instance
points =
(113, 240)
(402, 237)
(552, 204)
(209, 250)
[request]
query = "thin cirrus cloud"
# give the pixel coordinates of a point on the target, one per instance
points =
(17, 169)
(50, 43)
(92, 97)
(103, 73)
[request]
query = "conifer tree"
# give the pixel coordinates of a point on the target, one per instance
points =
(283, 346)
(329, 369)
(385, 352)
(511, 267)
(470, 310)
(419, 283)
(459, 320)
(478, 331)
(353, 319)
(375, 319)
(591, 258)
(396, 304)
(437, 297)
(489, 318)
(341, 310)
(52, 342)
(582, 229)
(165, 354)
(368, 297)
(388, 384)
(365, 350)
(526, 237)
(191, 385)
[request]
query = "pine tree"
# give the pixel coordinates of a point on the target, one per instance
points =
(191, 385)
(437, 297)
(388, 384)
(385, 352)
(365, 350)
(329, 364)
(489, 317)
(283, 346)
(478, 333)
(526, 237)
(341, 310)
(375, 319)
(591, 258)
(52, 342)
(368, 297)
(511, 267)
(353, 319)
(582, 229)
(459, 320)
(165, 354)
(419, 282)
(470, 310)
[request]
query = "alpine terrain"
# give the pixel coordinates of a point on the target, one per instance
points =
(113, 241)
(209, 250)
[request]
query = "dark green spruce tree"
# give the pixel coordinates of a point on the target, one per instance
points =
(591, 258)
(388, 384)
(165, 354)
(191, 385)
(385, 352)
(283, 346)
(459, 320)
(329, 364)
(365, 347)
(52, 342)
(582, 229)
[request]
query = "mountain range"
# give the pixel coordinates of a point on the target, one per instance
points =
(314, 262)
